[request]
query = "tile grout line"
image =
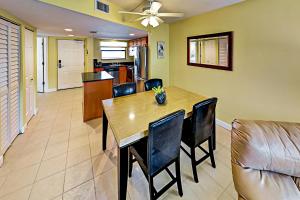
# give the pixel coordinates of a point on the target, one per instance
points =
(95, 193)
(63, 191)
(67, 159)
(44, 160)
(35, 180)
(6, 176)
(224, 192)
(75, 164)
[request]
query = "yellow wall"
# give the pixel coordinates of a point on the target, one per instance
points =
(88, 7)
(159, 68)
(53, 57)
(265, 81)
(23, 26)
(97, 54)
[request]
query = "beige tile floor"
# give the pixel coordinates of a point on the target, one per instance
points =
(60, 157)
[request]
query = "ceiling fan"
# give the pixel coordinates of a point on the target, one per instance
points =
(150, 14)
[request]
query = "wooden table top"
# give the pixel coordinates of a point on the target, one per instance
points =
(129, 116)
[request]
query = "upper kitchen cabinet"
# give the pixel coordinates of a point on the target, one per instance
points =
(138, 42)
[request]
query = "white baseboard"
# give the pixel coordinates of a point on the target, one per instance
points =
(23, 128)
(1, 160)
(223, 124)
(51, 90)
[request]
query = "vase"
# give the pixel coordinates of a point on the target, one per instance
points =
(161, 98)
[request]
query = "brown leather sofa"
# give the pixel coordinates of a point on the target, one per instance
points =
(265, 159)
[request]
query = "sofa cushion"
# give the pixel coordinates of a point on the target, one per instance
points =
(297, 182)
(267, 146)
(263, 185)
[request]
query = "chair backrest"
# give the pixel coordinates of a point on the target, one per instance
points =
(203, 120)
(164, 139)
(124, 89)
(151, 83)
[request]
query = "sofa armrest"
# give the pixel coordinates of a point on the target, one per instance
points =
(267, 146)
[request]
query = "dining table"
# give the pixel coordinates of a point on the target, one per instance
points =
(129, 118)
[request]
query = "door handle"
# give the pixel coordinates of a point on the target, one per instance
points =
(59, 64)
(31, 79)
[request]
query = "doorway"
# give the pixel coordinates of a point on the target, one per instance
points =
(29, 63)
(42, 64)
(70, 63)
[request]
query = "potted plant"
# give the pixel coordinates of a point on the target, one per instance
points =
(160, 94)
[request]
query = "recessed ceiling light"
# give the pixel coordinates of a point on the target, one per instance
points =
(68, 29)
(132, 34)
(71, 35)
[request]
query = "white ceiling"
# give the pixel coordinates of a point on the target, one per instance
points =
(52, 20)
(188, 7)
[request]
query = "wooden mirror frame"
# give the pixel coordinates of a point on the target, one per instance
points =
(230, 51)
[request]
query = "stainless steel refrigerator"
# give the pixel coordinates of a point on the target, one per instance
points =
(140, 63)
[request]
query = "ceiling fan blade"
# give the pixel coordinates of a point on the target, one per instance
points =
(170, 14)
(132, 13)
(159, 20)
(140, 18)
(155, 6)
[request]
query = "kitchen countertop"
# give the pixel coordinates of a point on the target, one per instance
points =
(114, 65)
(99, 76)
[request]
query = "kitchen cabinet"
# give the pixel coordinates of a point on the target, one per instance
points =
(138, 42)
(122, 74)
(98, 69)
(131, 43)
(96, 87)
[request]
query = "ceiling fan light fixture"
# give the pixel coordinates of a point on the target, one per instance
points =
(153, 21)
(145, 22)
(155, 6)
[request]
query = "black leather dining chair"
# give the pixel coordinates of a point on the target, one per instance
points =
(151, 83)
(198, 129)
(159, 150)
(124, 89)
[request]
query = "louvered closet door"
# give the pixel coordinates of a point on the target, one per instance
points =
(14, 90)
(9, 83)
(5, 137)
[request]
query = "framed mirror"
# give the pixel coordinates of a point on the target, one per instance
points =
(211, 51)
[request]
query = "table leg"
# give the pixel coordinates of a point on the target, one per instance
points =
(122, 172)
(104, 131)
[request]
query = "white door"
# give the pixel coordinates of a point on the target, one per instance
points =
(40, 65)
(29, 66)
(70, 63)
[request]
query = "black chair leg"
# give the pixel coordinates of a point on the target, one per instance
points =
(130, 164)
(178, 177)
(194, 165)
(151, 188)
(211, 152)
